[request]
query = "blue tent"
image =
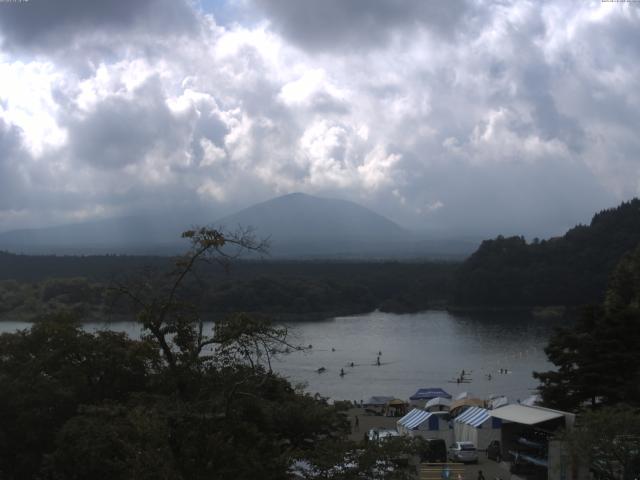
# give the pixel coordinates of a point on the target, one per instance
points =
(429, 393)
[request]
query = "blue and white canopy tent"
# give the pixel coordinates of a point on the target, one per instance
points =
(425, 424)
(478, 426)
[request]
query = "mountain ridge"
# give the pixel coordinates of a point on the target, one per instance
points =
(298, 226)
(321, 225)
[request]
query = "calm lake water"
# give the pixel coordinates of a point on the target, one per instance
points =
(427, 349)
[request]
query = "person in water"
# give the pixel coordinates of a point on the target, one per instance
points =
(378, 361)
(342, 372)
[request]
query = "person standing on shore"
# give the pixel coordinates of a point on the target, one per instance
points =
(356, 424)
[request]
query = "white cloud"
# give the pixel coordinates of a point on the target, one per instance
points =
(396, 113)
(26, 101)
(378, 168)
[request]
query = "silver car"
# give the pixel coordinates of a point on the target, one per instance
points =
(464, 452)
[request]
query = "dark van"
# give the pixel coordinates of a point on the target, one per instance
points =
(435, 451)
(494, 452)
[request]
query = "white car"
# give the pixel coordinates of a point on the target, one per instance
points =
(380, 434)
(464, 452)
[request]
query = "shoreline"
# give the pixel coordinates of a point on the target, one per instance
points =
(538, 312)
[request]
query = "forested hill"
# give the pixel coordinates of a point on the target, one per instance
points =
(93, 267)
(32, 286)
(569, 270)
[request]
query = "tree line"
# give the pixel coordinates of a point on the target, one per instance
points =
(569, 270)
(286, 290)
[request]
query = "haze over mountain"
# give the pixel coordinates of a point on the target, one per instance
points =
(297, 225)
(130, 235)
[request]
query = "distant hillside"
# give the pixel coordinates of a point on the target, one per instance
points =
(569, 270)
(304, 226)
(299, 226)
(31, 286)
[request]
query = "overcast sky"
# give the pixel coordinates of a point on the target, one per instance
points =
(467, 117)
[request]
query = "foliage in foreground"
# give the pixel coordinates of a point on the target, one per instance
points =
(608, 440)
(80, 405)
(598, 359)
(181, 403)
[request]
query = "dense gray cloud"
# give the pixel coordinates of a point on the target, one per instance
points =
(126, 129)
(468, 117)
(336, 24)
(44, 24)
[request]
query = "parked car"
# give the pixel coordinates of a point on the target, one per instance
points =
(494, 451)
(381, 434)
(464, 452)
(435, 451)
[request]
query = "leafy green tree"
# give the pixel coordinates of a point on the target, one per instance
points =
(46, 373)
(598, 360)
(344, 460)
(113, 442)
(608, 440)
(181, 403)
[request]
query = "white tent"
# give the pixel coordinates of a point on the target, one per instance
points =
(532, 400)
(497, 401)
(463, 395)
(425, 424)
(476, 425)
(533, 415)
(438, 404)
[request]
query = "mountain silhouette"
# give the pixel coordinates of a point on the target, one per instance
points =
(297, 225)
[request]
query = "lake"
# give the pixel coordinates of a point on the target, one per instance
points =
(427, 349)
